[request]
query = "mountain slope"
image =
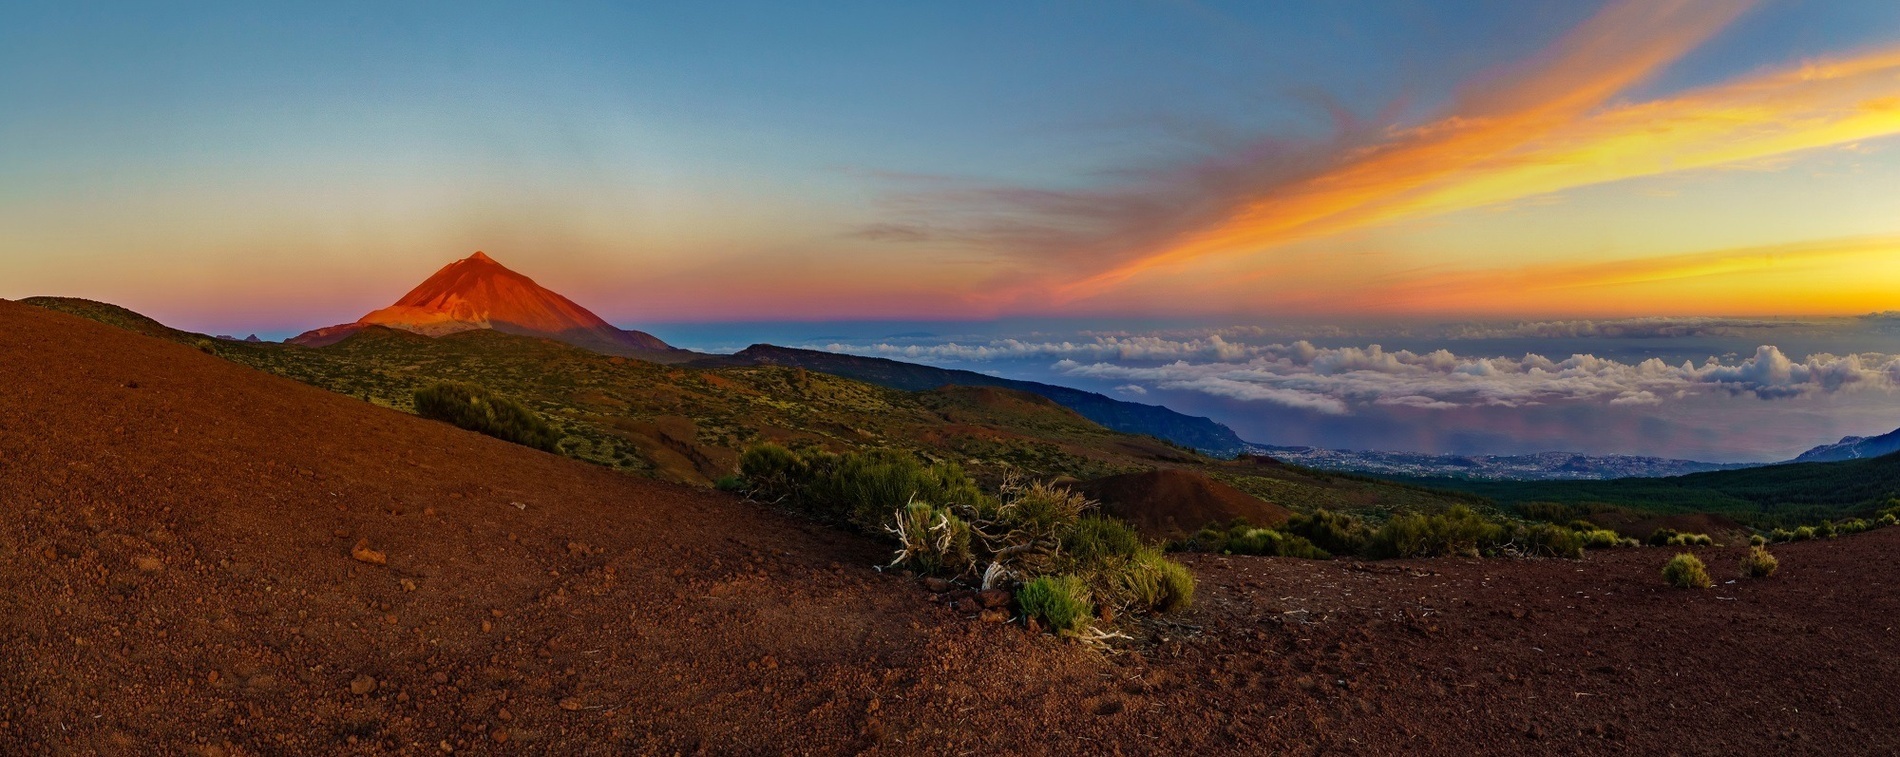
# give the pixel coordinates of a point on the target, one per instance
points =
(176, 535)
(1129, 417)
(479, 293)
(1853, 448)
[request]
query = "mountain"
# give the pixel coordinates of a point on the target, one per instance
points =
(478, 293)
(1129, 417)
(1542, 466)
(1853, 448)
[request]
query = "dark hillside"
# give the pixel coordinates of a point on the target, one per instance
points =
(1763, 496)
(1189, 431)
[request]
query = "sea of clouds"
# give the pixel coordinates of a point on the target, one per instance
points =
(1722, 389)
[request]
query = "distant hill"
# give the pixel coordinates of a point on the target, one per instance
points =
(478, 293)
(1770, 494)
(1129, 417)
(1853, 448)
(1541, 466)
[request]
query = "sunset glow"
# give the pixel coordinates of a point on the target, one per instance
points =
(1524, 178)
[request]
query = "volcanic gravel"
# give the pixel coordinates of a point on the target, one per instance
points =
(200, 558)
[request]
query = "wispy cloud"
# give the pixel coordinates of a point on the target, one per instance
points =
(1552, 124)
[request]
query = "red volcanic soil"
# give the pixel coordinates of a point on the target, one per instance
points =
(1173, 504)
(176, 541)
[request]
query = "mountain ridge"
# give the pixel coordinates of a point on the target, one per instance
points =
(1852, 448)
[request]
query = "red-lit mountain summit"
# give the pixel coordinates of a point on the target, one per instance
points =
(478, 293)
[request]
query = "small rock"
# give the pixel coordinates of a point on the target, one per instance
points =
(440, 677)
(993, 598)
(362, 684)
(995, 616)
(408, 585)
(487, 626)
(149, 564)
(936, 585)
(362, 553)
(572, 704)
(968, 606)
(500, 735)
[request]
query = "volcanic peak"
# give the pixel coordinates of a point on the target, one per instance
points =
(477, 292)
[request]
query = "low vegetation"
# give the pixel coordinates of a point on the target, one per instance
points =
(1758, 563)
(1829, 529)
(1059, 602)
(1455, 531)
(1066, 562)
(1669, 537)
(480, 410)
(1687, 571)
(1243, 538)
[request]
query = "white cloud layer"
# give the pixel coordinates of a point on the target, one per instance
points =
(1334, 380)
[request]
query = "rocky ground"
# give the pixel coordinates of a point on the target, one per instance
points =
(198, 557)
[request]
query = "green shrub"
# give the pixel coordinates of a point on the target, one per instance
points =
(1042, 507)
(1851, 526)
(1546, 540)
(1178, 585)
(1758, 563)
(1661, 537)
(1094, 538)
(1601, 538)
(479, 410)
(1690, 540)
(1888, 519)
(944, 525)
(1686, 571)
(1756, 540)
(1267, 542)
(1803, 533)
(1336, 533)
(773, 473)
(1144, 582)
(1242, 538)
(1780, 535)
(1826, 530)
(934, 540)
(1457, 531)
(1061, 602)
(864, 488)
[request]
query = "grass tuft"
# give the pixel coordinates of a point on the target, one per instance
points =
(1687, 571)
(1758, 563)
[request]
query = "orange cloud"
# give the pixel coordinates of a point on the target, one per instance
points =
(1849, 275)
(1554, 128)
